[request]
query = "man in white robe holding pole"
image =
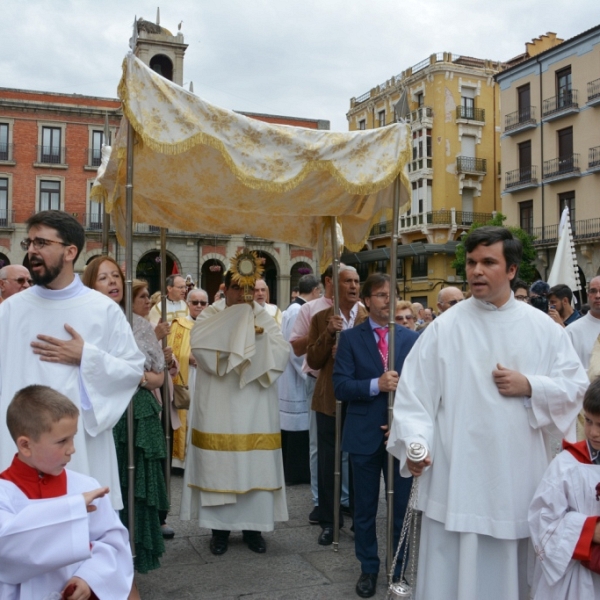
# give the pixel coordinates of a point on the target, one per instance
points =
(61, 333)
(483, 389)
(234, 473)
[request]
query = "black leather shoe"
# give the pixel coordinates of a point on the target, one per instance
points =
(256, 542)
(219, 544)
(366, 585)
(326, 537)
(313, 518)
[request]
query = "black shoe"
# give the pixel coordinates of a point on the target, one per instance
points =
(326, 537)
(219, 544)
(313, 518)
(366, 585)
(345, 510)
(167, 532)
(256, 542)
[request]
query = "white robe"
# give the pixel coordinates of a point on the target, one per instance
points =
(293, 408)
(101, 387)
(583, 334)
(175, 310)
(564, 499)
(43, 543)
(235, 399)
(489, 452)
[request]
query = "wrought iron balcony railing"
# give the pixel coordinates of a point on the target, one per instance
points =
(594, 157)
(593, 90)
(51, 155)
(521, 176)
(94, 157)
(7, 217)
(561, 166)
(470, 113)
(6, 151)
(469, 164)
(581, 230)
(564, 101)
(519, 118)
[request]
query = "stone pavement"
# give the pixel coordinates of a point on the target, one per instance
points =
(294, 566)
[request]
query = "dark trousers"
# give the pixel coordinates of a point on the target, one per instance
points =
(326, 469)
(367, 471)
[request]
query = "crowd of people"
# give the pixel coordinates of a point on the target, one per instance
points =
(487, 385)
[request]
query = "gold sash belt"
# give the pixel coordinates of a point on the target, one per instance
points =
(236, 442)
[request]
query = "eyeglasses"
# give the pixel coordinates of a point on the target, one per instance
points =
(453, 302)
(39, 243)
(404, 317)
(196, 302)
(20, 280)
(381, 295)
(522, 298)
(593, 291)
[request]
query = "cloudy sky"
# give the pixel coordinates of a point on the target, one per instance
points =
(289, 57)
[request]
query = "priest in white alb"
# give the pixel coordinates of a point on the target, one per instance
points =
(234, 474)
(483, 389)
(62, 334)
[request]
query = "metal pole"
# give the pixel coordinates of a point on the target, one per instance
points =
(129, 314)
(105, 215)
(391, 367)
(166, 394)
(337, 472)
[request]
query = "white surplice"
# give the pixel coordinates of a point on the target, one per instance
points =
(43, 543)
(583, 334)
(234, 473)
(489, 452)
(565, 498)
(101, 386)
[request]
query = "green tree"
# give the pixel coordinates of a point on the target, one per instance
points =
(527, 270)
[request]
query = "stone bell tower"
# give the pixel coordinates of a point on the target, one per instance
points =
(160, 49)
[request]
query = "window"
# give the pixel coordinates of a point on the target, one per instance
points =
(524, 100)
(51, 146)
(95, 157)
(563, 87)
(567, 200)
(525, 161)
(3, 201)
(381, 118)
(362, 124)
(565, 150)
(419, 266)
(526, 216)
(4, 141)
(420, 99)
(49, 195)
(468, 108)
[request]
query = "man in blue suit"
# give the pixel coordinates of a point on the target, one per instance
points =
(361, 379)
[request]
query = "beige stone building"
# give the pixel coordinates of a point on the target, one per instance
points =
(550, 142)
(452, 105)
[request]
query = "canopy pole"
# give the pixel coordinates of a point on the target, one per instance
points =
(337, 473)
(391, 366)
(166, 393)
(129, 314)
(105, 215)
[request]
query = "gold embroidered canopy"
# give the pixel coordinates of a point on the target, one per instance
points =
(205, 169)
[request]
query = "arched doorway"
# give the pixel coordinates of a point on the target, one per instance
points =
(149, 269)
(269, 274)
(298, 270)
(213, 273)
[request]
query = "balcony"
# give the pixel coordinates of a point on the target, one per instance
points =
(520, 179)
(51, 155)
(560, 106)
(593, 90)
(562, 168)
(468, 164)
(520, 120)
(420, 163)
(7, 218)
(585, 230)
(422, 117)
(448, 218)
(594, 160)
(470, 114)
(93, 157)
(6, 152)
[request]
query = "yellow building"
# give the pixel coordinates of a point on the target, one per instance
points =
(452, 105)
(550, 100)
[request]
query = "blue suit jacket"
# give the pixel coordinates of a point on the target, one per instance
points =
(357, 361)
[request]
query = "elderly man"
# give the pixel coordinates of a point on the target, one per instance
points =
(261, 297)
(294, 409)
(320, 356)
(484, 407)
(234, 474)
(197, 301)
(74, 339)
(448, 297)
(176, 305)
(13, 279)
(585, 331)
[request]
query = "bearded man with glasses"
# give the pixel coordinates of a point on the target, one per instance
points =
(13, 279)
(72, 338)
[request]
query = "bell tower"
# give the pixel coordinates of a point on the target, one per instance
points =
(162, 51)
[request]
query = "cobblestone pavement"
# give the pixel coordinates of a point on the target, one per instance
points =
(294, 567)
